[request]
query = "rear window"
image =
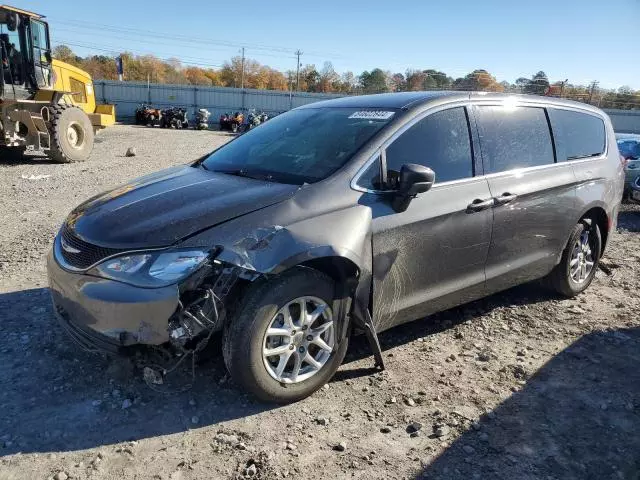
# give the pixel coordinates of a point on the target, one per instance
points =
(514, 137)
(577, 135)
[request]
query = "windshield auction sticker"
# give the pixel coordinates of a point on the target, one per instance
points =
(372, 115)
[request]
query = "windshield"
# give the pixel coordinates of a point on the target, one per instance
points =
(300, 146)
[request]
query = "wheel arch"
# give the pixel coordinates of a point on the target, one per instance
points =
(599, 215)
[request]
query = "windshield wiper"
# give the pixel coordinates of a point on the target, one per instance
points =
(241, 172)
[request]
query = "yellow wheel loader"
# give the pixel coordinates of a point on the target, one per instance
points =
(45, 105)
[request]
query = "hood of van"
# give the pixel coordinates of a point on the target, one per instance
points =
(162, 208)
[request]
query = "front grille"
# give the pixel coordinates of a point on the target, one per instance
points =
(80, 254)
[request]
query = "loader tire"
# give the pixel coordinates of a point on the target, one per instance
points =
(71, 134)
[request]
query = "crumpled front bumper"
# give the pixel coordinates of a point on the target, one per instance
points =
(108, 315)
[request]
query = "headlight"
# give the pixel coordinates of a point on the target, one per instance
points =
(152, 269)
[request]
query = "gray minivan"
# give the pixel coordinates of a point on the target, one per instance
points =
(349, 215)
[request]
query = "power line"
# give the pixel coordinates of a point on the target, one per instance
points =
(114, 52)
(185, 42)
(198, 40)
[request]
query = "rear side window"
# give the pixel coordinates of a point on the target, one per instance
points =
(514, 138)
(577, 135)
(439, 141)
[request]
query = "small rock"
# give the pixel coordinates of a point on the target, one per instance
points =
(192, 402)
(116, 393)
(322, 421)
(410, 402)
(441, 431)
(251, 470)
(340, 447)
(241, 446)
(195, 419)
(291, 446)
(96, 403)
(385, 430)
(355, 464)
(484, 357)
(414, 427)
(484, 437)
(131, 152)
(392, 400)
(575, 310)
(468, 449)
(126, 403)
(325, 387)
(60, 476)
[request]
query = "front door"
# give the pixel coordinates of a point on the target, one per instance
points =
(431, 256)
(534, 195)
(41, 53)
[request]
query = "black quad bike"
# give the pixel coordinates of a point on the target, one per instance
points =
(174, 117)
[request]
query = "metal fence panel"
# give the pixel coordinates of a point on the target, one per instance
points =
(127, 96)
(625, 121)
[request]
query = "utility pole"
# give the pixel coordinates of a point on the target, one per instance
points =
(242, 74)
(594, 85)
(562, 84)
(298, 53)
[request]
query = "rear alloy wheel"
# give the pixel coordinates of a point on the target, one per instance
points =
(71, 134)
(579, 261)
(286, 341)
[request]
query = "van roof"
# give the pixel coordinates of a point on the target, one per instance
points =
(406, 100)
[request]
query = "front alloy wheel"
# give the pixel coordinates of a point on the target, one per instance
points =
(286, 339)
(299, 340)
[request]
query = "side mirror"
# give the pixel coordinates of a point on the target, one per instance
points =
(13, 21)
(414, 179)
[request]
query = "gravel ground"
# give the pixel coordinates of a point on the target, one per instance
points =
(521, 385)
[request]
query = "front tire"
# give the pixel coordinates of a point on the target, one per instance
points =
(279, 350)
(579, 261)
(71, 134)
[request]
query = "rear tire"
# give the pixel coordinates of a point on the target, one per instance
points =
(71, 134)
(245, 337)
(566, 278)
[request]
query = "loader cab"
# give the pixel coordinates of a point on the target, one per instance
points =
(25, 53)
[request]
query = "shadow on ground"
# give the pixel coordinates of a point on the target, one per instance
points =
(56, 397)
(629, 220)
(527, 294)
(578, 417)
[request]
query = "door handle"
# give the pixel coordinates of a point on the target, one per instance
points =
(505, 198)
(478, 205)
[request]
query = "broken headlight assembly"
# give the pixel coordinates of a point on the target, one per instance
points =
(151, 269)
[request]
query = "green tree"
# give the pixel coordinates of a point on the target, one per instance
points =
(374, 81)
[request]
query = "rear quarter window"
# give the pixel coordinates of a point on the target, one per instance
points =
(577, 135)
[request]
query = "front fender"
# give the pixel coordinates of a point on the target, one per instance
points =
(257, 242)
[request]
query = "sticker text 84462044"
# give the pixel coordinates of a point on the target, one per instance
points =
(372, 115)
